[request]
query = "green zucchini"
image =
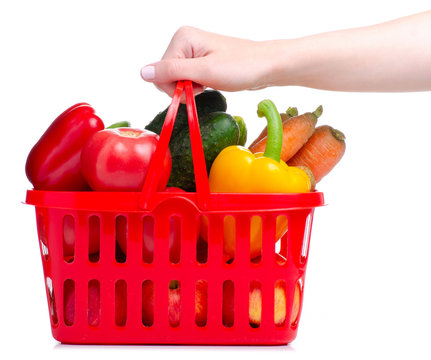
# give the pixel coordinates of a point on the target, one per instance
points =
(242, 130)
(206, 102)
(218, 130)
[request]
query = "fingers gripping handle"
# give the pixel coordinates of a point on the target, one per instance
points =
(154, 171)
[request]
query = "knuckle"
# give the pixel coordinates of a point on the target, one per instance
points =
(184, 31)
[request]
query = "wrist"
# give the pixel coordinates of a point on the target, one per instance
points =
(284, 63)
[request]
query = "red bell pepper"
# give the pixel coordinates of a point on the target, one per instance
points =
(54, 162)
(118, 159)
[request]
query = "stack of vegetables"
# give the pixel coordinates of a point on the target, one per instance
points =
(291, 155)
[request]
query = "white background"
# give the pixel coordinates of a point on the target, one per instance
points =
(367, 290)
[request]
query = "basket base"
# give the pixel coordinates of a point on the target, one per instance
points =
(177, 337)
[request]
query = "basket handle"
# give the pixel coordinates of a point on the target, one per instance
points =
(199, 165)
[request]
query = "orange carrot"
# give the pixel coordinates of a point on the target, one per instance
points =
(296, 132)
(290, 112)
(322, 152)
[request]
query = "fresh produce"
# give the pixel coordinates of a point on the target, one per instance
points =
(54, 162)
(290, 112)
(119, 124)
(206, 102)
(242, 130)
(118, 159)
(296, 132)
(237, 170)
(322, 152)
(255, 305)
(218, 131)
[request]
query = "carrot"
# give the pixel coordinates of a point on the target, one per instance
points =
(296, 132)
(290, 112)
(322, 152)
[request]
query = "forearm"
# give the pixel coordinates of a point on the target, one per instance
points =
(392, 56)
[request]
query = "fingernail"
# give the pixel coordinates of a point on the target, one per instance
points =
(148, 73)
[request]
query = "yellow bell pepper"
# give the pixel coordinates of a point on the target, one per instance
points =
(238, 170)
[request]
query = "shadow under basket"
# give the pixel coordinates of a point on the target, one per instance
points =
(174, 267)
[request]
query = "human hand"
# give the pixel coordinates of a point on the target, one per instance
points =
(211, 60)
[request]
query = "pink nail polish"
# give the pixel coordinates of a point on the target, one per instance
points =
(148, 73)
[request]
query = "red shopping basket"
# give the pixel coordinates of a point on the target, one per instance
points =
(187, 293)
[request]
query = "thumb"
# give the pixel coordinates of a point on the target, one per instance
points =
(171, 70)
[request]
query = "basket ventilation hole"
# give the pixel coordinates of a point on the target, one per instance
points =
(255, 239)
(229, 236)
(42, 237)
(94, 238)
(201, 303)
(148, 239)
(202, 242)
(296, 307)
(68, 238)
(255, 304)
(51, 302)
(121, 239)
(174, 303)
(281, 240)
(120, 303)
(147, 303)
(174, 239)
(93, 311)
(228, 307)
(280, 304)
(69, 302)
(306, 239)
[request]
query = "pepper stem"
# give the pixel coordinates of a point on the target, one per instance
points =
(275, 129)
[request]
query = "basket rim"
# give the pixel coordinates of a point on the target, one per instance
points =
(128, 201)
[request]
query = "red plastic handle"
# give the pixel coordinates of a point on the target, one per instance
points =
(154, 170)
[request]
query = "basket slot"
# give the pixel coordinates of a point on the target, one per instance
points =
(256, 235)
(147, 303)
(306, 238)
(255, 304)
(201, 244)
(175, 238)
(228, 304)
(175, 305)
(68, 238)
(280, 303)
(52, 305)
(94, 238)
(120, 303)
(69, 302)
(147, 239)
(295, 305)
(281, 246)
(201, 303)
(121, 230)
(93, 303)
(43, 240)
